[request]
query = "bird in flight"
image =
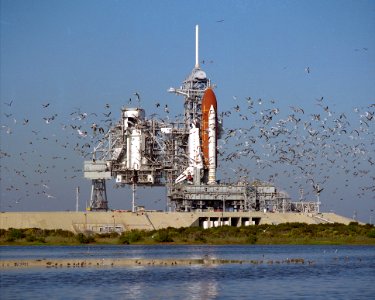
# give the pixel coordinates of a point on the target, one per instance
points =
(138, 96)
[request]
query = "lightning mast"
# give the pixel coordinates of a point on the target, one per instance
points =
(193, 88)
(197, 46)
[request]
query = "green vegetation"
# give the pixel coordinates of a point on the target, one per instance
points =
(36, 236)
(130, 237)
(287, 233)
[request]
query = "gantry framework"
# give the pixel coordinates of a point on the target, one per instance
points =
(140, 151)
(144, 151)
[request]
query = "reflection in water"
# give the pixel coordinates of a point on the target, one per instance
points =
(134, 290)
(345, 273)
(203, 289)
(133, 283)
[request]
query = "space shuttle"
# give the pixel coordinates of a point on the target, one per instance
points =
(202, 142)
(202, 139)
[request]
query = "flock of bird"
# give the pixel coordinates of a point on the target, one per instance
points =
(312, 150)
(37, 155)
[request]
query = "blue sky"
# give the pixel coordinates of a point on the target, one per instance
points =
(81, 55)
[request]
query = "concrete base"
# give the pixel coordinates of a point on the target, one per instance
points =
(103, 222)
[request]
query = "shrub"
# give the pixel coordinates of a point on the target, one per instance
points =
(163, 236)
(199, 236)
(85, 239)
(371, 233)
(15, 234)
(10, 239)
(252, 239)
(107, 235)
(113, 235)
(30, 238)
(129, 237)
(3, 232)
(34, 231)
(224, 231)
(33, 238)
(63, 233)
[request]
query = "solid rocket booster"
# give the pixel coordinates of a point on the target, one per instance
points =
(209, 134)
(194, 152)
(195, 157)
(212, 146)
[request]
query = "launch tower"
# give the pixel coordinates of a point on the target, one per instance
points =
(181, 155)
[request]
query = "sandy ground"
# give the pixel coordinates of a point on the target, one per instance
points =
(83, 263)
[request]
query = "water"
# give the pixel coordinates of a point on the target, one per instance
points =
(338, 272)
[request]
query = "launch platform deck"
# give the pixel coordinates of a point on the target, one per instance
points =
(119, 221)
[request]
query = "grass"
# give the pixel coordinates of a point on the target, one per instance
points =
(286, 233)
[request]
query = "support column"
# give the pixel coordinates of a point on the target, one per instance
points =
(98, 201)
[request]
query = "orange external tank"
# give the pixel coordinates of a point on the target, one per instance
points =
(208, 99)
